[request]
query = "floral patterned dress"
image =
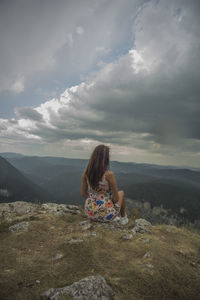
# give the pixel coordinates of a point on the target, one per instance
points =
(99, 206)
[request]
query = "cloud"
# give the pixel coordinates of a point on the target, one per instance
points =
(18, 85)
(146, 102)
(28, 113)
(58, 39)
(79, 30)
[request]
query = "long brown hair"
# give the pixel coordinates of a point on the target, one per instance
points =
(97, 165)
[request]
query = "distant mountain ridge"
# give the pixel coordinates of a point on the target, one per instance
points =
(56, 160)
(15, 186)
(60, 177)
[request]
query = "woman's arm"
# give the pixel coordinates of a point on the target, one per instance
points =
(84, 186)
(113, 185)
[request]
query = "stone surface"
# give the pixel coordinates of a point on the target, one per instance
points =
(60, 209)
(86, 227)
(147, 255)
(91, 233)
(75, 241)
(89, 288)
(141, 226)
(22, 226)
(145, 240)
(18, 207)
(58, 256)
(150, 266)
(82, 223)
(12, 211)
(127, 236)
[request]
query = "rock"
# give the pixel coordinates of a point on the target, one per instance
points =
(60, 209)
(91, 233)
(23, 226)
(84, 222)
(145, 240)
(147, 255)
(58, 256)
(141, 226)
(8, 210)
(7, 219)
(150, 266)
(37, 281)
(19, 207)
(91, 287)
(127, 236)
(72, 207)
(75, 241)
(86, 227)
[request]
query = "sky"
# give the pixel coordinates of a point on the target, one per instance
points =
(124, 73)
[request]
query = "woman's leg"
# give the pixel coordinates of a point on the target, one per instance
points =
(121, 203)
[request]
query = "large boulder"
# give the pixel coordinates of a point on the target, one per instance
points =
(88, 288)
(141, 226)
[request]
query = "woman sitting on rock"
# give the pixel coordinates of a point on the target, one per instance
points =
(103, 201)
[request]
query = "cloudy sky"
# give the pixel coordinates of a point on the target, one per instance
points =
(126, 73)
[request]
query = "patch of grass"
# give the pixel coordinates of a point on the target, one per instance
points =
(28, 256)
(4, 227)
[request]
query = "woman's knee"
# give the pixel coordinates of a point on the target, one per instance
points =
(120, 202)
(121, 193)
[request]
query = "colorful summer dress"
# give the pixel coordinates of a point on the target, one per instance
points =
(99, 206)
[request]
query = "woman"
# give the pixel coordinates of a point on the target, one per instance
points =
(103, 201)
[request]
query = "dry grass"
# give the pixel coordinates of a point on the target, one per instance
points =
(173, 271)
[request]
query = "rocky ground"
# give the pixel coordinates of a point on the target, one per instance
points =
(52, 251)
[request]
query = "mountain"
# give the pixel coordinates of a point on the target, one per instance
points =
(44, 168)
(41, 169)
(15, 186)
(172, 187)
(171, 194)
(66, 186)
(11, 155)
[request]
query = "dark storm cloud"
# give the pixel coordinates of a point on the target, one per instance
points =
(28, 113)
(61, 39)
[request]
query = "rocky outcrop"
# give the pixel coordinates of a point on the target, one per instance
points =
(141, 226)
(20, 210)
(22, 226)
(89, 288)
(60, 209)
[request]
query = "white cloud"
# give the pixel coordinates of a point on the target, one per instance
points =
(18, 85)
(79, 30)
